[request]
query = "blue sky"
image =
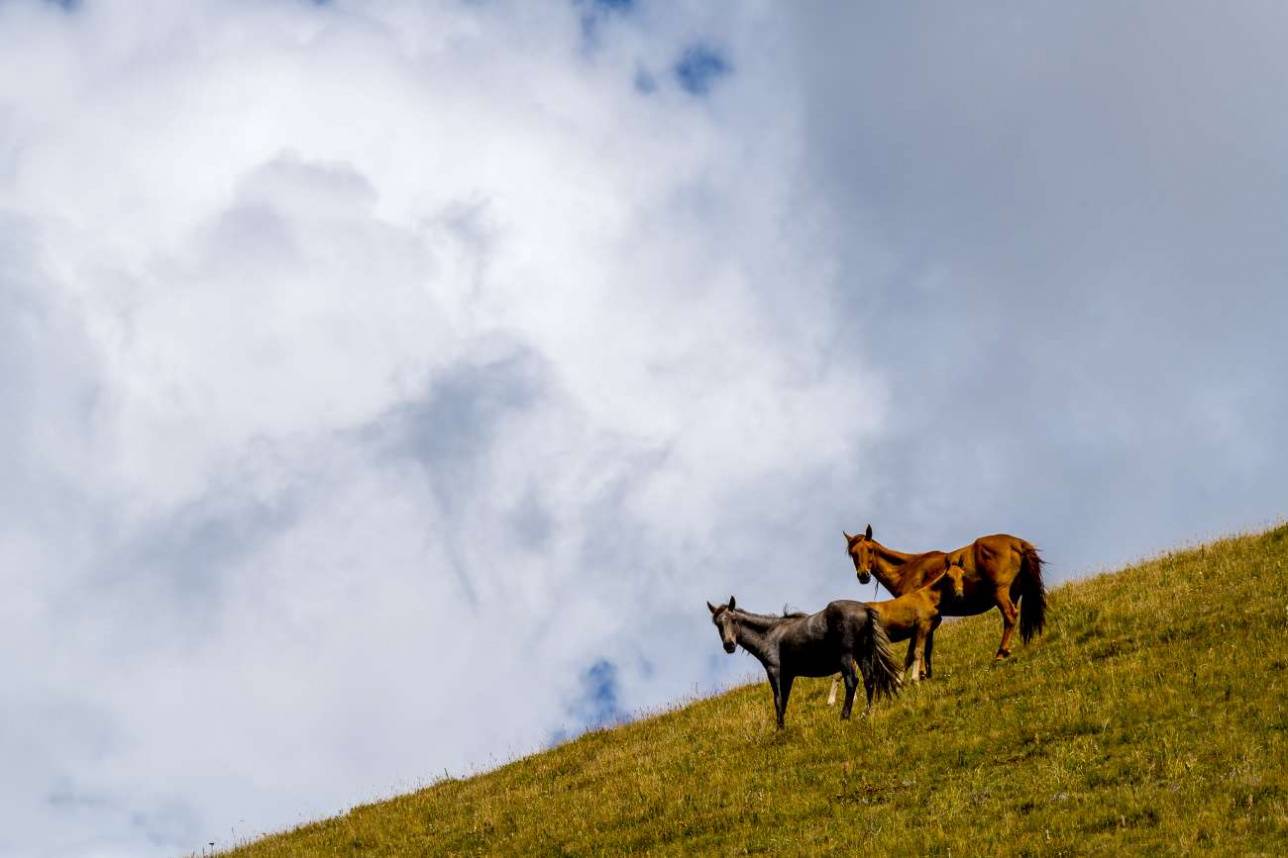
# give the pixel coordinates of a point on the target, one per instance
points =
(387, 388)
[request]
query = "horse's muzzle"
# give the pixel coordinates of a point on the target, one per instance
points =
(730, 646)
(864, 577)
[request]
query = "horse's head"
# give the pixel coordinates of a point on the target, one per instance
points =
(725, 622)
(957, 575)
(861, 551)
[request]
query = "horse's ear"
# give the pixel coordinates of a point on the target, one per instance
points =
(848, 538)
(711, 607)
(868, 532)
(732, 604)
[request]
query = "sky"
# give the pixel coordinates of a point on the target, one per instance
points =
(388, 385)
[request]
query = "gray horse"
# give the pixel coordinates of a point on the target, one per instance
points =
(845, 636)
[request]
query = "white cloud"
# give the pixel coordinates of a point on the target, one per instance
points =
(377, 369)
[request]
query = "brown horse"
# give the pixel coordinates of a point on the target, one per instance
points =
(914, 617)
(1001, 571)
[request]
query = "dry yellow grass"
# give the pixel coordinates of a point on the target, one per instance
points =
(1152, 718)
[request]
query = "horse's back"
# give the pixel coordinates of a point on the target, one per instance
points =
(845, 609)
(898, 624)
(847, 618)
(990, 562)
(995, 545)
(901, 615)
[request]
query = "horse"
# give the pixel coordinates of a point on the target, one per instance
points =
(1001, 571)
(845, 636)
(914, 617)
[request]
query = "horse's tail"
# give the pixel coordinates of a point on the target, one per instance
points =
(876, 661)
(1032, 593)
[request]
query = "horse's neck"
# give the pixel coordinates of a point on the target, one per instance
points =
(759, 622)
(753, 634)
(890, 567)
(935, 593)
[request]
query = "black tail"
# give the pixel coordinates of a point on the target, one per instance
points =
(876, 662)
(1032, 594)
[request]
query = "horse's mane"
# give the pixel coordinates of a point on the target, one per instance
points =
(764, 621)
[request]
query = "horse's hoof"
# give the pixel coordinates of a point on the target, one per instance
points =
(1001, 654)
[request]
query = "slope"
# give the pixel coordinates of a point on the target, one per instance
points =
(1151, 717)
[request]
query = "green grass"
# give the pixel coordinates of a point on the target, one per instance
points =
(1151, 718)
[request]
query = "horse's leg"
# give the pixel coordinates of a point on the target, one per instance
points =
(910, 666)
(930, 645)
(930, 648)
(919, 641)
(784, 692)
(1010, 615)
(831, 695)
(849, 670)
(773, 684)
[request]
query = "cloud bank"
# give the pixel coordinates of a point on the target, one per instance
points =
(388, 385)
(384, 380)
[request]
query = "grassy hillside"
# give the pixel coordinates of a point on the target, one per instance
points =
(1151, 717)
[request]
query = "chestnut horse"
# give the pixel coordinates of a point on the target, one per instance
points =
(1001, 571)
(914, 617)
